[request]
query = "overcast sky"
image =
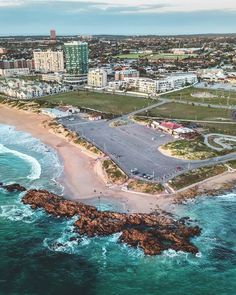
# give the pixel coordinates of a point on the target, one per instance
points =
(162, 17)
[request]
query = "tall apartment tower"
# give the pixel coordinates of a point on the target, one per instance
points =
(53, 35)
(76, 57)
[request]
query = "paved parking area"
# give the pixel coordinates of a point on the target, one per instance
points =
(131, 146)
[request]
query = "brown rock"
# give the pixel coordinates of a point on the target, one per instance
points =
(153, 233)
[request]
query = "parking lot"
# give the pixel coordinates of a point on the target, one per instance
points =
(133, 147)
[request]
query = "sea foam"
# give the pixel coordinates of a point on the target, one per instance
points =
(35, 170)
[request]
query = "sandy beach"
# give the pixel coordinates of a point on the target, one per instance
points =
(82, 178)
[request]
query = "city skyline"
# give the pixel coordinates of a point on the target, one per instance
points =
(160, 17)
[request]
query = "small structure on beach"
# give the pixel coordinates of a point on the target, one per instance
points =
(175, 129)
(60, 112)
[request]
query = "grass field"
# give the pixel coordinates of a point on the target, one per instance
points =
(30, 78)
(223, 97)
(169, 56)
(189, 112)
(154, 56)
(109, 103)
(129, 56)
(222, 128)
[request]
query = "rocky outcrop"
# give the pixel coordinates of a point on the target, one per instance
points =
(13, 187)
(153, 233)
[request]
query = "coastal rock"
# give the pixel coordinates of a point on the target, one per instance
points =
(153, 233)
(13, 187)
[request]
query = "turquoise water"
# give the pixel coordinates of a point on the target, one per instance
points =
(37, 255)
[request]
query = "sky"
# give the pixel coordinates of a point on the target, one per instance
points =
(124, 17)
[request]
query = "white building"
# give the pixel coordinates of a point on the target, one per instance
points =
(117, 85)
(49, 61)
(164, 85)
(19, 89)
(148, 86)
(52, 78)
(182, 80)
(97, 78)
(14, 72)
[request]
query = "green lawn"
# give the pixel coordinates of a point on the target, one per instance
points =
(189, 112)
(157, 56)
(222, 128)
(129, 56)
(154, 56)
(109, 103)
(222, 97)
(31, 78)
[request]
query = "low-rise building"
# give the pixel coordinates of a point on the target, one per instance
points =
(29, 89)
(52, 78)
(14, 72)
(97, 78)
(126, 73)
(60, 112)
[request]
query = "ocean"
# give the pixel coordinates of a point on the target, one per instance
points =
(38, 256)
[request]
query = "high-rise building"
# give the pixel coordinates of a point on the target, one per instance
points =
(76, 56)
(49, 61)
(53, 35)
(97, 78)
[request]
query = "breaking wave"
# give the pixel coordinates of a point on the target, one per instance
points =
(35, 171)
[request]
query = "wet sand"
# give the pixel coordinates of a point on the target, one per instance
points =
(81, 178)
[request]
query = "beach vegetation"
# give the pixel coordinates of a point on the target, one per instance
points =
(113, 172)
(196, 175)
(190, 150)
(145, 187)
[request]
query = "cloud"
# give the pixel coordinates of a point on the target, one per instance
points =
(130, 6)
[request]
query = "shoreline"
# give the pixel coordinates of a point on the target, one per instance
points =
(82, 180)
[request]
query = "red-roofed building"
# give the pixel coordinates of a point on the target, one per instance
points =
(169, 126)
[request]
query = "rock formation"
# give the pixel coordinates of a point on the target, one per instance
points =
(13, 187)
(153, 232)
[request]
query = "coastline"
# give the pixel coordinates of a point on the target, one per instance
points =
(83, 179)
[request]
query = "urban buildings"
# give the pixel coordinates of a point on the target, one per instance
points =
(14, 67)
(49, 61)
(126, 73)
(76, 57)
(21, 89)
(97, 78)
(14, 72)
(154, 86)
